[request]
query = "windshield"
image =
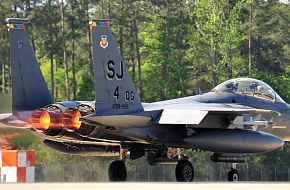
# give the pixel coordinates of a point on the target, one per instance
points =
(249, 87)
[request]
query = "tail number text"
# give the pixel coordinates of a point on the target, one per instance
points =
(129, 95)
(111, 70)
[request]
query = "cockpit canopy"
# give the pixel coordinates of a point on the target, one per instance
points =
(249, 87)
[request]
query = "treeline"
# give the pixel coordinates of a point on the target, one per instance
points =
(173, 48)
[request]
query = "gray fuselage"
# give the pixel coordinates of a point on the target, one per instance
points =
(282, 122)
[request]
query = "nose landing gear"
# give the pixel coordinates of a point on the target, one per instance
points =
(233, 174)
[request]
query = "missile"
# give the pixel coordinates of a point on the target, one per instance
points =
(233, 141)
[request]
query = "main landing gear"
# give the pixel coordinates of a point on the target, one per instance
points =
(184, 171)
(117, 171)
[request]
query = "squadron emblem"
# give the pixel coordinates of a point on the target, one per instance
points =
(104, 43)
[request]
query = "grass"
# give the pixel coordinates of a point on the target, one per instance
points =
(23, 140)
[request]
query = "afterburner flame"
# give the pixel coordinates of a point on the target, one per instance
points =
(40, 120)
(45, 119)
(55, 120)
(71, 120)
(76, 121)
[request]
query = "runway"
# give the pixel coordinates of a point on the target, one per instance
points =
(147, 186)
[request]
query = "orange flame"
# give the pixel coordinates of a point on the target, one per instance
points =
(71, 120)
(43, 120)
(40, 120)
(56, 120)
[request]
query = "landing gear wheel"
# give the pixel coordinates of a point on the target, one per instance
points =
(233, 175)
(184, 171)
(117, 171)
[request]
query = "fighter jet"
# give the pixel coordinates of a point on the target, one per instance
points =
(238, 117)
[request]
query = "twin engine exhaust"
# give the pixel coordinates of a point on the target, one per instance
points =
(54, 119)
(43, 120)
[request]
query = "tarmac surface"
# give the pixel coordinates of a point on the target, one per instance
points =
(147, 186)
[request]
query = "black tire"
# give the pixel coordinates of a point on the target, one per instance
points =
(117, 171)
(184, 171)
(233, 175)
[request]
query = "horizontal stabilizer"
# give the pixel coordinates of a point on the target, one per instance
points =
(178, 116)
(10, 121)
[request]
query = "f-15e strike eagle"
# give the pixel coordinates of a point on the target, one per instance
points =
(237, 117)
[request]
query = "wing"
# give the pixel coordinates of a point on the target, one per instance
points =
(195, 113)
(189, 113)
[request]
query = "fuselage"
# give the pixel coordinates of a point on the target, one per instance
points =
(281, 127)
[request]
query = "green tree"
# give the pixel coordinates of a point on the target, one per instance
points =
(215, 42)
(165, 44)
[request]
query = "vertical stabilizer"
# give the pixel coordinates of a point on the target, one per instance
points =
(29, 90)
(115, 91)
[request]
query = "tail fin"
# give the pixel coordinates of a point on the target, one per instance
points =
(115, 91)
(29, 90)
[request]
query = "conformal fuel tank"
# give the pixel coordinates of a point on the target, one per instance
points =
(233, 141)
